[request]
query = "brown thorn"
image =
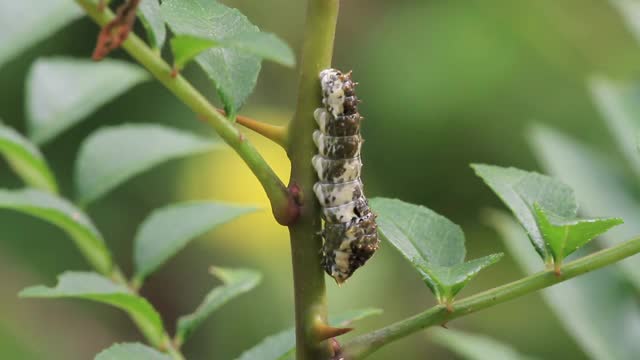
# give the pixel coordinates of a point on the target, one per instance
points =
(174, 72)
(325, 332)
(102, 4)
(444, 325)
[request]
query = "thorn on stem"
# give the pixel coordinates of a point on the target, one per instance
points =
(325, 332)
(101, 5)
(450, 308)
(174, 72)
(557, 270)
(444, 325)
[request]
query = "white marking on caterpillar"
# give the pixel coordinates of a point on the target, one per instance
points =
(350, 231)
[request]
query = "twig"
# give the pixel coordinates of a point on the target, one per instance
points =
(366, 344)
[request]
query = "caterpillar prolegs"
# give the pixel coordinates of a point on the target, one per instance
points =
(350, 231)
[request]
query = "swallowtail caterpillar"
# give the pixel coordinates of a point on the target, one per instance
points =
(350, 231)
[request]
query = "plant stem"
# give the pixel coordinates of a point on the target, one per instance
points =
(181, 88)
(308, 276)
(366, 344)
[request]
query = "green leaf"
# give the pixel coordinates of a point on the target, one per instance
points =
(235, 282)
(61, 92)
(267, 46)
(170, 229)
(618, 105)
(281, 346)
(474, 347)
(432, 243)
(131, 351)
(187, 47)
(113, 155)
(24, 23)
(233, 71)
(564, 236)
(91, 286)
(585, 305)
(596, 182)
(455, 277)
(519, 190)
(26, 160)
(61, 213)
(151, 16)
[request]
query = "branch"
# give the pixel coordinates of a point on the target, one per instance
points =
(282, 203)
(308, 275)
(366, 344)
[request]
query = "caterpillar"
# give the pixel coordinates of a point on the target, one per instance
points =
(350, 230)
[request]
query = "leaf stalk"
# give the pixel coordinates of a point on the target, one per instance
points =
(364, 345)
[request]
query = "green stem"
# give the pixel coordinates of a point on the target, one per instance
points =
(366, 344)
(189, 95)
(309, 286)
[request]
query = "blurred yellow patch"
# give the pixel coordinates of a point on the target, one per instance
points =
(224, 176)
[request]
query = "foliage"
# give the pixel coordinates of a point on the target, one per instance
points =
(433, 244)
(62, 92)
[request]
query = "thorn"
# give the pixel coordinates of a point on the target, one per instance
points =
(326, 332)
(450, 308)
(174, 72)
(444, 325)
(557, 271)
(101, 5)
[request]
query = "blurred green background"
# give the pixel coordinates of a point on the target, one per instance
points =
(444, 84)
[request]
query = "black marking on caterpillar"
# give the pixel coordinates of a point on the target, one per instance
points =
(350, 231)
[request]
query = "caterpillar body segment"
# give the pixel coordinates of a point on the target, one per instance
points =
(350, 231)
